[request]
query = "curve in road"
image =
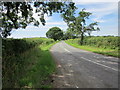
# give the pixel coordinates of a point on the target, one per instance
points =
(83, 69)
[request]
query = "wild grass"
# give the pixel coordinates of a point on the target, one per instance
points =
(40, 66)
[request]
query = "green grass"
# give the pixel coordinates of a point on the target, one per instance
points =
(109, 52)
(39, 67)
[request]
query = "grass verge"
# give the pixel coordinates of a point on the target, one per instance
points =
(109, 52)
(39, 67)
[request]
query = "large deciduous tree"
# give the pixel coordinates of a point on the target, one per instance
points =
(16, 15)
(78, 24)
(55, 33)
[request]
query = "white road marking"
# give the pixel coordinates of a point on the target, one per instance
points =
(67, 50)
(66, 83)
(108, 57)
(62, 59)
(76, 86)
(99, 64)
(71, 71)
(109, 62)
(69, 74)
(106, 62)
(93, 61)
(69, 64)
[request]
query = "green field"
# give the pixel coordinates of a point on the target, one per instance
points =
(27, 63)
(102, 45)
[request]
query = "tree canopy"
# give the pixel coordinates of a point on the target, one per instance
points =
(55, 33)
(69, 34)
(16, 15)
(78, 24)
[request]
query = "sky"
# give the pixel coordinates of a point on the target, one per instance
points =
(103, 11)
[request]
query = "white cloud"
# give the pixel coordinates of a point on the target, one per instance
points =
(56, 23)
(103, 10)
(48, 25)
(99, 8)
(106, 30)
(35, 15)
(106, 8)
(33, 28)
(99, 20)
(10, 36)
(48, 18)
(96, 7)
(93, 1)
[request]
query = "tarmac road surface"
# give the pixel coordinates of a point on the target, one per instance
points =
(78, 68)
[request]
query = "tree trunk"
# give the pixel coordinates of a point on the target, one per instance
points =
(82, 37)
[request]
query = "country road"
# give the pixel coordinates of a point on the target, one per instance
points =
(78, 68)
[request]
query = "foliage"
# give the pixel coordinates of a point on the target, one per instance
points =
(55, 33)
(108, 45)
(16, 15)
(103, 42)
(69, 34)
(19, 58)
(39, 67)
(78, 24)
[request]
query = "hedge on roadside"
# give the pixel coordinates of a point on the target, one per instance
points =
(12, 60)
(110, 42)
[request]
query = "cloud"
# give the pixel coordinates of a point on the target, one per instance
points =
(93, 1)
(48, 25)
(48, 18)
(102, 10)
(33, 28)
(98, 20)
(104, 7)
(106, 30)
(35, 15)
(56, 23)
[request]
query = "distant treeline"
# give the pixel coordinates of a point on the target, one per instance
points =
(13, 62)
(111, 42)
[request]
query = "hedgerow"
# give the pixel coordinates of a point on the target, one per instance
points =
(13, 62)
(102, 41)
(110, 42)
